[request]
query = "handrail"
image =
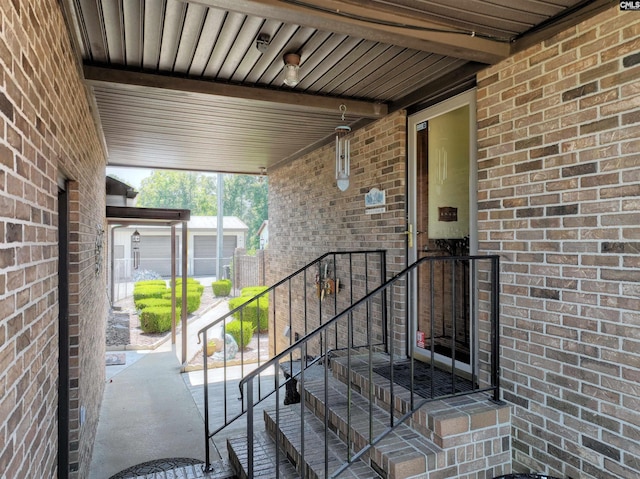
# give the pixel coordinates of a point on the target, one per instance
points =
(322, 327)
(489, 371)
(233, 412)
(280, 283)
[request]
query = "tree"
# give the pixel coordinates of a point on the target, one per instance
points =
(246, 197)
(179, 189)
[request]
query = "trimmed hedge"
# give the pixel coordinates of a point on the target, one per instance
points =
(148, 291)
(150, 282)
(157, 319)
(221, 288)
(254, 291)
(151, 302)
(241, 331)
(192, 285)
(256, 312)
(193, 299)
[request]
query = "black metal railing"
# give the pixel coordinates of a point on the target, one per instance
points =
(298, 304)
(462, 370)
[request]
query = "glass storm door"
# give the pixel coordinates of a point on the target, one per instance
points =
(442, 184)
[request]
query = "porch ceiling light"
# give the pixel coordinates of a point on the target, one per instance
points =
(343, 153)
(291, 69)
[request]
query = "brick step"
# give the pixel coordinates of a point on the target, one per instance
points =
(313, 462)
(443, 422)
(264, 459)
(403, 453)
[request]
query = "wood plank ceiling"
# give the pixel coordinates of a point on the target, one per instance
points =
(187, 85)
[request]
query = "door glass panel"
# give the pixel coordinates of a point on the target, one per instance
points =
(442, 228)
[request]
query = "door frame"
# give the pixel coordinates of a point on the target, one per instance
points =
(63, 331)
(453, 103)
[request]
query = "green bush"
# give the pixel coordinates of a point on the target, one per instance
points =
(253, 291)
(256, 312)
(151, 302)
(150, 282)
(193, 299)
(192, 285)
(221, 288)
(148, 291)
(241, 331)
(157, 319)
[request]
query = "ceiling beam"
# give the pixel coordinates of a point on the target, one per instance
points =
(98, 75)
(384, 26)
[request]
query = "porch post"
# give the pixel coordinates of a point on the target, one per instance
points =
(173, 284)
(183, 315)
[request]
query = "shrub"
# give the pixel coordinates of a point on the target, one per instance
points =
(242, 332)
(192, 285)
(150, 282)
(256, 311)
(193, 299)
(254, 291)
(221, 288)
(151, 302)
(148, 291)
(157, 319)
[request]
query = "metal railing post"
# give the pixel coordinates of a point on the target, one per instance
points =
(495, 332)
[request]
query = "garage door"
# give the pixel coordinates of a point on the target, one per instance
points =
(155, 254)
(205, 252)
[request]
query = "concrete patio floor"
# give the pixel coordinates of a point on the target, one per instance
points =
(152, 411)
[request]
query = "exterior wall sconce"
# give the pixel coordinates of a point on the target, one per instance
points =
(135, 249)
(343, 153)
(291, 69)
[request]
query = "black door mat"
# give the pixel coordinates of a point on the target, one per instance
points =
(427, 383)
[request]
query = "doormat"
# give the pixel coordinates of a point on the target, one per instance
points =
(426, 383)
(116, 359)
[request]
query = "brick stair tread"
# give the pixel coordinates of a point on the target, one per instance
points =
(402, 450)
(264, 460)
(314, 441)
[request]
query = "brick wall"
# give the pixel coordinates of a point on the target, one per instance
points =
(309, 216)
(559, 200)
(47, 132)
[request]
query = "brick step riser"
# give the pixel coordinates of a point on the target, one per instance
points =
(293, 454)
(382, 398)
(264, 459)
(237, 464)
(441, 422)
(403, 462)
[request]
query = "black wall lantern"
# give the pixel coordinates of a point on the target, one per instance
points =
(135, 249)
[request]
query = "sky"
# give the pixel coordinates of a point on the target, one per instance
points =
(131, 176)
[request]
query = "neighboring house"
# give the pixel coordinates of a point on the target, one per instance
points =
(263, 233)
(119, 193)
(553, 187)
(155, 246)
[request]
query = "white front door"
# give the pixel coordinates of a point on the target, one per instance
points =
(442, 212)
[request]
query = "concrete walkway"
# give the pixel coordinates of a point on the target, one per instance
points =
(147, 413)
(151, 411)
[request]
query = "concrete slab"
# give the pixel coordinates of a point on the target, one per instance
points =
(147, 413)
